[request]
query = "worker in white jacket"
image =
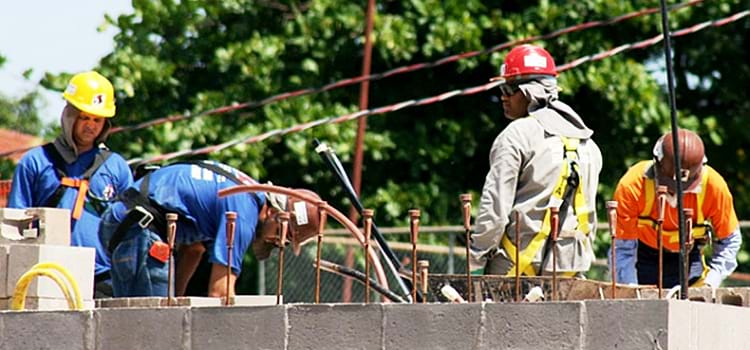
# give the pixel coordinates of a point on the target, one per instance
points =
(544, 158)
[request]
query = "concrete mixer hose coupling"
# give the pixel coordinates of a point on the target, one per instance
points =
(53, 271)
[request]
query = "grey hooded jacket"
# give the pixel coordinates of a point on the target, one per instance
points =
(525, 164)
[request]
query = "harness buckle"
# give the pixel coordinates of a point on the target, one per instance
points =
(147, 217)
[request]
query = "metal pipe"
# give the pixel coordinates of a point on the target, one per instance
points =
(518, 255)
(231, 221)
(319, 251)
(414, 226)
(466, 205)
(661, 205)
(675, 139)
(688, 242)
(171, 232)
(424, 271)
(367, 215)
(283, 218)
(359, 276)
(333, 212)
(555, 224)
(612, 219)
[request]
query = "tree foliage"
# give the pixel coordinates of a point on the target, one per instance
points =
(190, 56)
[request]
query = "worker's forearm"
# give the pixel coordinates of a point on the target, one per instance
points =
(190, 258)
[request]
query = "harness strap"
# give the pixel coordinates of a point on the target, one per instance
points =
(568, 185)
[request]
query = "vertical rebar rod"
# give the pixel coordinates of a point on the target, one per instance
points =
(283, 228)
(414, 229)
(367, 215)
(318, 255)
(612, 219)
(675, 140)
(231, 221)
(171, 232)
(517, 255)
(466, 205)
(554, 225)
(688, 242)
(661, 203)
(424, 270)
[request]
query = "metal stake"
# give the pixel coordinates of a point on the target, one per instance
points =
(466, 201)
(414, 228)
(424, 267)
(283, 228)
(518, 255)
(688, 243)
(367, 215)
(612, 217)
(171, 232)
(661, 205)
(323, 217)
(231, 220)
(555, 224)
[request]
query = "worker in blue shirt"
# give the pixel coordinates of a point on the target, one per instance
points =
(134, 228)
(76, 171)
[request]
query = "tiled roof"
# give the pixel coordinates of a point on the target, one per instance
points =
(12, 140)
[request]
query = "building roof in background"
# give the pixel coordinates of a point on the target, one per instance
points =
(11, 140)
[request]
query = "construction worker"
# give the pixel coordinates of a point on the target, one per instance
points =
(545, 158)
(77, 171)
(134, 229)
(705, 192)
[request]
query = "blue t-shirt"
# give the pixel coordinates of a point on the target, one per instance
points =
(36, 180)
(191, 191)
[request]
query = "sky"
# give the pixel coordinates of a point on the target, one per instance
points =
(52, 36)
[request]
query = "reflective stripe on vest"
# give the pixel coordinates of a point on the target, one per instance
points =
(579, 208)
(673, 236)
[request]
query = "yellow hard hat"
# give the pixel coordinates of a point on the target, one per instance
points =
(92, 93)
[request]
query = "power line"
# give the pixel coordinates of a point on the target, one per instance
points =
(441, 97)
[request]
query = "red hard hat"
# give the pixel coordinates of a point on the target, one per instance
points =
(692, 157)
(527, 60)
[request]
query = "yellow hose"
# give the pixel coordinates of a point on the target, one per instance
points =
(47, 269)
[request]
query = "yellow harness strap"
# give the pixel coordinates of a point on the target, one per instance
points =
(83, 188)
(579, 206)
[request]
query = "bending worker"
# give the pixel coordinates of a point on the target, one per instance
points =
(77, 171)
(705, 192)
(544, 158)
(134, 228)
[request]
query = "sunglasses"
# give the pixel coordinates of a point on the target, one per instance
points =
(509, 90)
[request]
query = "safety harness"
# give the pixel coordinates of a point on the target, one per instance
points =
(568, 186)
(147, 213)
(81, 184)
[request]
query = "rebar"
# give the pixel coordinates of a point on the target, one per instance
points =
(612, 219)
(414, 229)
(466, 205)
(661, 203)
(318, 255)
(424, 271)
(231, 221)
(518, 256)
(171, 232)
(555, 225)
(367, 215)
(283, 218)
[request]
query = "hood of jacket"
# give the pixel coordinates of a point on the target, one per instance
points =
(556, 117)
(65, 143)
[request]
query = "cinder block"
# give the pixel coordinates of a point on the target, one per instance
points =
(46, 304)
(695, 325)
(539, 326)
(139, 328)
(351, 326)
(258, 327)
(46, 330)
(254, 300)
(79, 261)
(3, 271)
(626, 324)
(35, 226)
(432, 326)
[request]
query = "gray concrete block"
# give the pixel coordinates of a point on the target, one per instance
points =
(35, 226)
(47, 330)
(432, 326)
(626, 324)
(258, 327)
(161, 328)
(79, 261)
(4, 271)
(335, 326)
(538, 326)
(694, 325)
(46, 304)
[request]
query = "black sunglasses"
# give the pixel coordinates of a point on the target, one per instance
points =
(509, 90)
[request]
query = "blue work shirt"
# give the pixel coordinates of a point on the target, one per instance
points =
(35, 181)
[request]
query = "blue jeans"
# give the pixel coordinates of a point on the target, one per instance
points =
(134, 272)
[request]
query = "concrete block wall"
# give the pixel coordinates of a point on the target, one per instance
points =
(586, 325)
(79, 261)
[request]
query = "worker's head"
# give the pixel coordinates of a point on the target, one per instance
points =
(525, 64)
(91, 102)
(304, 221)
(692, 157)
